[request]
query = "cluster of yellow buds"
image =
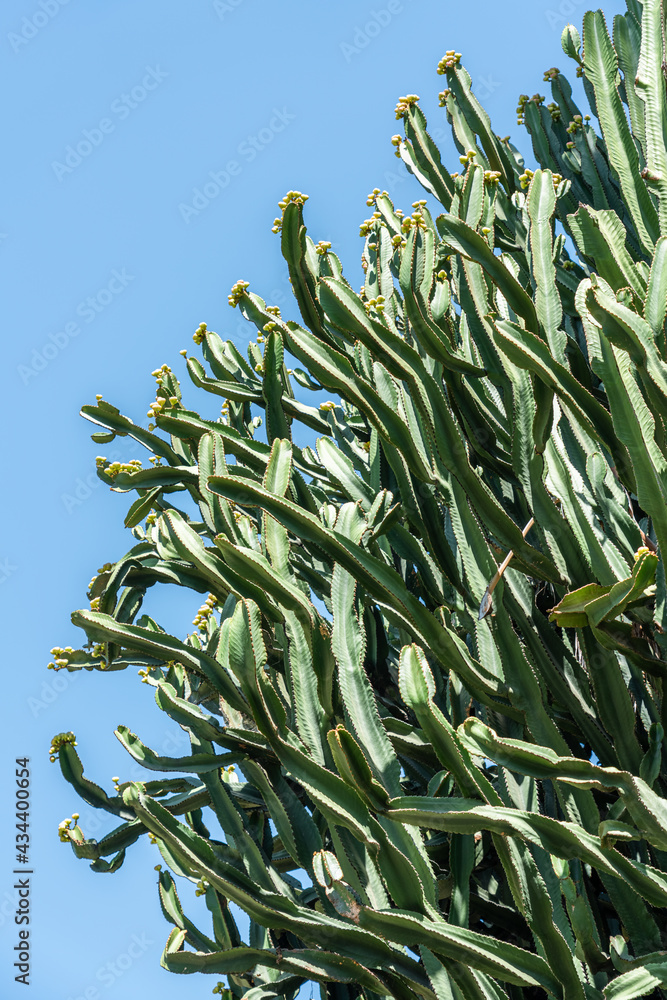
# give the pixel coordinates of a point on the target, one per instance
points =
(575, 126)
(204, 613)
(237, 293)
(156, 408)
(322, 247)
(366, 445)
(442, 97)
(199, 334)
(155, 460)
(269, 328)
(398, 241)
(202, 886)
(107, 566)
(372, 198)
(419, 219)
(61, 655)
(441, 276)
(554, 111)
(159, 372)
(492, 176)
(368, 225)
(568, 265)
(275, 310)
(115, 468)
(99, 650)
(551, 74)
(416, 219)
(526, 178)
(65, 826)
(524, 99)
(95, 604)
(448, 61)
(220, 988)
(292, 197)
(404, 103)
(143, 673)
(58, 741)
(468, 158)
(152, 839)
(396, 141)
(558, 180)
(377, 304)
(328, 405)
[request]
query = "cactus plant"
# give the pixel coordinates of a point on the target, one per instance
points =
(424, 693)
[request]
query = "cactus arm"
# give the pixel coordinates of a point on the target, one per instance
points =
(600, 65)
(650, 88)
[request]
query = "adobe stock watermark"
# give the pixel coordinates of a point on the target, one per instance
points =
(249, 149)
(88, 310)
(484, 86)
(7, 569)
(559, 17)
(370, 29)
(122, 107)
(8, 906)
(111, 972)
(51, 690)
(31, 26)
(223, 7)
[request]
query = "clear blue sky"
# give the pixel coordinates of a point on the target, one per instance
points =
(119, 113)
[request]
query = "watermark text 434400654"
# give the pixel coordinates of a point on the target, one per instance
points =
(120, 109)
